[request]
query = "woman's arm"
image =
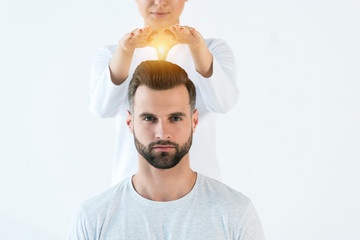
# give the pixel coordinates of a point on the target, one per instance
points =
(110, 69)
(121, 60)
(214, 61)
(202, 57)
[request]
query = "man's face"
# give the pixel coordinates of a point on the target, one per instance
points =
(160, 13)
(162, 124)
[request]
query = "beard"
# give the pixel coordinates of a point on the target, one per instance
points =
(163, 160)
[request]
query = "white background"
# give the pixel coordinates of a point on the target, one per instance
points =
(292, 142)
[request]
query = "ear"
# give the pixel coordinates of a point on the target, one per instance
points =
(195, 119)
(129, 121)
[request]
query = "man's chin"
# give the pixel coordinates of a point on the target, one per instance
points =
(165, 166)
(163, 161)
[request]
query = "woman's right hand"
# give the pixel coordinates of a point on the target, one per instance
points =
(138, 38)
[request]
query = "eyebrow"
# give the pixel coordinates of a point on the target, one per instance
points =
(175, 114)
(145, 114)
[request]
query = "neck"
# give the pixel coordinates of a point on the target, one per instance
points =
(159, 27)
(164, 184)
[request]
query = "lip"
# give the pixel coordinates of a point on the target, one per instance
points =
(159, 14)
(164, 148)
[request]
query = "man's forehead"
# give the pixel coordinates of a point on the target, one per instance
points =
(174, 98)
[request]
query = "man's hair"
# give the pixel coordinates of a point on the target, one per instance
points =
(160, 75)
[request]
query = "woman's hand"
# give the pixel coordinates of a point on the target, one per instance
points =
(185, 35)
(138, 38)
(202, 57)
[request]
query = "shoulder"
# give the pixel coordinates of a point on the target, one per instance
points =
(90, 217)
(233, 207)
(224, 197)
(99, 205)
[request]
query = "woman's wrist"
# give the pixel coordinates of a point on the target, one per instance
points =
(198, 47)
(126, 50)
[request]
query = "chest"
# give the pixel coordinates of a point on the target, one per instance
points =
(169, 224)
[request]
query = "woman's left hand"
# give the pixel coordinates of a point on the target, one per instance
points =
(185, 35)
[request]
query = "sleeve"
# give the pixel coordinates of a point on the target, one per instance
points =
(104, 96)
(79, 227)
(251, 227)
(220, 91)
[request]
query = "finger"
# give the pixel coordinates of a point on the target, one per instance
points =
(137, 32)
(131, 35)
(175, 27)
(169, 33)
(153, 34)
(128, 36)
(190, 29)
(195, 33)
(133, 31)
(174, 30)
(147, 29)
(151, 38)
(146, 33)
(185, 31)
(144, 30)
(150, 31)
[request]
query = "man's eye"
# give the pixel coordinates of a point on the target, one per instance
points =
(148, 119)
(176, 119)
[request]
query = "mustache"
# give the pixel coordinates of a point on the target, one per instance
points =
(162, 142)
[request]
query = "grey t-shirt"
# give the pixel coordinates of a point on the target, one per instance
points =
(211, 210)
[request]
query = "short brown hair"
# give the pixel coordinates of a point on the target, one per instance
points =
(160, 75)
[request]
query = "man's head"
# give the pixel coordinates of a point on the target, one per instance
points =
(160, 75)
(162, 113)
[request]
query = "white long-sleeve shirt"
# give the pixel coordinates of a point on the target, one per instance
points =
(216, 94)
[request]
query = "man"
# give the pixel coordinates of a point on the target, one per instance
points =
(165, 199)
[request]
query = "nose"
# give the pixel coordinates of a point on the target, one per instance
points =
(160, 3)
(162, 131)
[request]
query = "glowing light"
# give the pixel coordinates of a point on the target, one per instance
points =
(162, 46)
(161, 49)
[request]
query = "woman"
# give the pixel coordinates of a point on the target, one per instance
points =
(208, 62)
